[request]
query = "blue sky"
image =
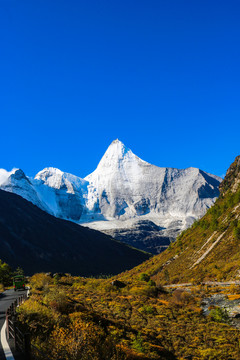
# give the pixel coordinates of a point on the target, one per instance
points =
(162, 76)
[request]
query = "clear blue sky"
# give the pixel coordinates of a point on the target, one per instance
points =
(162, 76)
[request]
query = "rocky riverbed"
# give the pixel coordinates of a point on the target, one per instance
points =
(229, 303)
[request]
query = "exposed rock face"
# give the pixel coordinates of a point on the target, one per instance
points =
(232, 179)
(123, 188)
(144, 235)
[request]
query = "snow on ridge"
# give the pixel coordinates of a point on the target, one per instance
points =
(5, 175)
(57, 179)
(117, 153)
(122, 187)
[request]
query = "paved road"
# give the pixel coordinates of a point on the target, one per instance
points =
(6, 298)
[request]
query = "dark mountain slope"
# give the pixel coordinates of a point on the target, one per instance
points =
(210, 249)
(37, 241)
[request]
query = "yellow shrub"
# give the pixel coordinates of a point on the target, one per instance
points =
(149, 291)
(57, 299)
(38, 317)
(80, 340)
(40, 281)
(234, 297)
(165, 302)
(234, 289)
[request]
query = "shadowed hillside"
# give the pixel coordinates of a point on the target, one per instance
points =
(37, 241)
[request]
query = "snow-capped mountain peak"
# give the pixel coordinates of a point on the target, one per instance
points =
(58, 179)
(116, 150)
(7, 176)
(123, 187)
(116, 160)
(17, 182)
(115, 153)
(63, 193)
(51, 176)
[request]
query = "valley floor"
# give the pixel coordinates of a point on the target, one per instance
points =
(130, 317)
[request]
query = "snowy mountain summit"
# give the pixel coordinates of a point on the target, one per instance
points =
(122, 192)
(116, 156)
(124, 186)
(112, 183)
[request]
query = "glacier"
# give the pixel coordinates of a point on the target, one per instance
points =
(125, 194)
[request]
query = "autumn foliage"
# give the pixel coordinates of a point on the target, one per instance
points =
(80, 318)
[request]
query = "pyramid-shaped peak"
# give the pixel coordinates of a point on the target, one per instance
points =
(116, 152)
(115, 157)
(117, 143)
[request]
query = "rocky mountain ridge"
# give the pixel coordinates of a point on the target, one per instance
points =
(123, 191)
(231, 181)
